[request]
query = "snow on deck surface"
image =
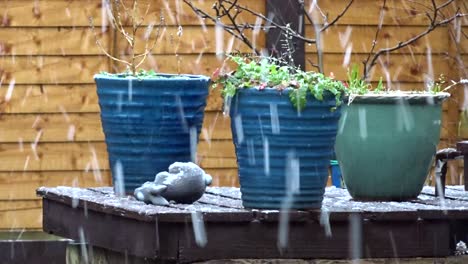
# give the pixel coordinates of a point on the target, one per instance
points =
(225, 202)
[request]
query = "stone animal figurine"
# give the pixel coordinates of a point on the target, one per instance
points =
(182, 183)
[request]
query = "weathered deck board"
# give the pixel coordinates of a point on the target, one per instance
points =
(218, 200)
(451, 192)
(424, 227)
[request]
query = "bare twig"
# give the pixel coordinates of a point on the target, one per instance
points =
(432, 25)
(115, 9)
(327, 25)
(98, 43)
(204, 15)
(374, 41)
(227, 12)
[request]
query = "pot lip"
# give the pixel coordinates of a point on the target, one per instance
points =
(394, 97)
(401, 94)
(165, 76)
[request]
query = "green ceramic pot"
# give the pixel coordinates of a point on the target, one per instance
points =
(385, 144)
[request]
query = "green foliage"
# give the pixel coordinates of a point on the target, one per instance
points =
(436, 86)
(380, 87)
(358, 86)
(266, 72)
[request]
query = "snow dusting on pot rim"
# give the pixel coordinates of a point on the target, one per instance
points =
(395, 97)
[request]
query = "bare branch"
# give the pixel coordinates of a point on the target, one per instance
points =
(148, 50)
(237, 28)
(318, 42)
(117, 21)
(114, 8)
(433, 25)
(98, 43)
(313, 64)
(327, 25)
(203, 14)
(374, 41)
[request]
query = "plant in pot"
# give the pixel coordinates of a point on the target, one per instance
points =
(150, 120)
(284, 123)
(387, 140)
(375, 116)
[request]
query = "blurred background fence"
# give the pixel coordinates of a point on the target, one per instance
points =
(50, 128)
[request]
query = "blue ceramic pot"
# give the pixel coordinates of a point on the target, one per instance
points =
(148, 123)
(282, 154)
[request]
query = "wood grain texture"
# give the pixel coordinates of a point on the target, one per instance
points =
(74, 13)
(43, 99)
(80, 69)
(23, 185)
(51, 41)
(398, 67)
(359, 39)
(383, 227)
(367, 12)
(85, 127)
(194, 40)
(80, 156)
(20, 214)
(51, 69)
(53, 157)
(81, 41)
(72, 98)
(28, 128)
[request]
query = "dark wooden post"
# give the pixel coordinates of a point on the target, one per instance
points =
(463, 148)
(284, 12)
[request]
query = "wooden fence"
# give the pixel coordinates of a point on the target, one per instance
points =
(50, 129)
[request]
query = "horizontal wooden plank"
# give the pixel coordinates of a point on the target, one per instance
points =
(218, 154)
(53, 157)
(194, 40)
(74, 98)
(51, 41)
(75, 156)
(50, 69)
(32, 99)
(398, 67)
(81, 41)
(81, 69)
(224, 177)
(359, 39)
(201, 63)
(23, 185)
(29, 128)
(21, 214)
(216, 126)
(367, 12)
(214, 102)
(46, 128)
(72, 13)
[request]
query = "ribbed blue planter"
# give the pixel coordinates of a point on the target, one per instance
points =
(282, 154)
(147, 122)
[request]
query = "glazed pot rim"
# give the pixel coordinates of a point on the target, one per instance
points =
(398, 96)
(164, 76)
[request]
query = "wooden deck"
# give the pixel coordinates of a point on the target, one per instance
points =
(425, 227)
